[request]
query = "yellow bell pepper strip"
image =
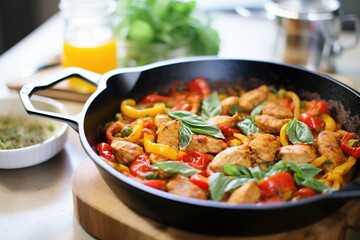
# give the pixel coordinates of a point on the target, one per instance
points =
(160, 149)
(243, 138)
(136, 131)
(329, 122)
(334, 177)
(296, 100)
(128, 108)
(283, 137)
(319, 161)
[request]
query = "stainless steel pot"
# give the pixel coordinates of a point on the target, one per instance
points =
(310, 31)
(193, 214)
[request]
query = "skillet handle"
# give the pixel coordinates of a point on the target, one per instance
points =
(29, 89)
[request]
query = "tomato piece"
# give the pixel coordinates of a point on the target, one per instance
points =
(154, 98)
(112, 131)
(155, 183)
(195, 159)
(228, 131)
(200, 181)
(316, 108)
(313, 122)
(105, 151)
(199, 86)
(281, 184)
(305, 192)
(140, 166)
(353, 151)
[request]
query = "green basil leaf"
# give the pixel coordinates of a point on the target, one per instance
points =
(185, 136)
(178, 115)
(280, 166)
(307, 170)
(236, 182)
(257, 173)
(316, 185)
(211, 106)
(235, 109)
(299, 132)
(247, 127)
(257, 110)
(237, 171)
(175, 167)
(217, 184)
(196, 123)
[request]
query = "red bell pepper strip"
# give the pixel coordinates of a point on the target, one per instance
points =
(305, 192)
(199, 86)
(195, 159)
(313, 122)
(104, 150)
(281, 184)
(155, 183)
(140, 166)
(154, 98)
(200, 181)
(111, 132)
(352, 149)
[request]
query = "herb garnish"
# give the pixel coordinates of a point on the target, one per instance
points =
(196, 124)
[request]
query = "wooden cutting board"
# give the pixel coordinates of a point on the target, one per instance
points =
(61, 90)
(104, 216)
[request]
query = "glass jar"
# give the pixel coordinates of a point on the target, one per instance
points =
(89, 40)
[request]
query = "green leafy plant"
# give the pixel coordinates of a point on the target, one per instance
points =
(148, 24)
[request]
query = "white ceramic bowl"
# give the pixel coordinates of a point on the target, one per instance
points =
(38, 153)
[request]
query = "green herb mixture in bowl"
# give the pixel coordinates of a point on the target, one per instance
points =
(27, 140)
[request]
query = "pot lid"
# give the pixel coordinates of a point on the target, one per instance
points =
(303, 9)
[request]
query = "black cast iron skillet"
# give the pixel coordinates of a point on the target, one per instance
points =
(191, 214)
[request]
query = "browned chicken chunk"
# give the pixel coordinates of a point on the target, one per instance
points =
(125, 152)
(300, 153)
(250, 99)
(182, 186)
(227, 103)
(224, 120)
(276, 110)
(206, 144)
(249, 193)
(264, 147)
(239, 156)
(160, 119)
(269, 124)
(328, 143)
(168, 134)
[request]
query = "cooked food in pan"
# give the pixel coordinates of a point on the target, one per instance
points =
(263, 145)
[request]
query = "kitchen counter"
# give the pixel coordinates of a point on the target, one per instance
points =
(36, 202)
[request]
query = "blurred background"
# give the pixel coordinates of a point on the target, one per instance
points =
(20, 17)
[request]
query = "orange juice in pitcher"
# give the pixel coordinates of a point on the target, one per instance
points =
(89, 41)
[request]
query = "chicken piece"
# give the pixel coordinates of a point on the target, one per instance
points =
(299, 153)
(168, 134)
(239, 156)
(206, 144)
(328, 143)
(276, 110)
(224, 120)
(182, 186)
(250, 99)
(125, 152)
(270, 124)
(264, 147)
(194, 101)
(160, 119)
(227, 103)
(248, 193)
